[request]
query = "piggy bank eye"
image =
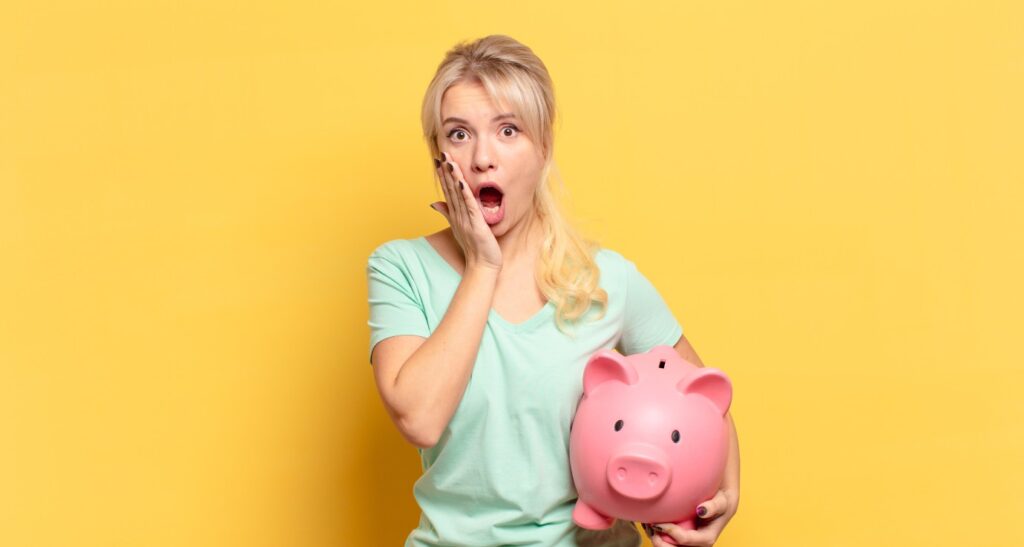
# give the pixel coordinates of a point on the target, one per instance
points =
(618, 425)
(675, 436)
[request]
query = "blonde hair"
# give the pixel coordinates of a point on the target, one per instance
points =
(567, 274)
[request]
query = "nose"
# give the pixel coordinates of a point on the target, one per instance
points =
(483, 156)
(639, 471)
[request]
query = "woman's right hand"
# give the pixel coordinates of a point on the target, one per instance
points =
(462, 211)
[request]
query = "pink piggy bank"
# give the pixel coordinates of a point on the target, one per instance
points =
(649, 441)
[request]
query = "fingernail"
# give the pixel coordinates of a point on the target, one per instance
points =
(451, 168)
(658, 528)
(460, 185)
(701, 511)
(437, 163)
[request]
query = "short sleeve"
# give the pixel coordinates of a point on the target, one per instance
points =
(395, 308)
(647, 321)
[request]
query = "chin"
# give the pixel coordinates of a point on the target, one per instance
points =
(500, 228)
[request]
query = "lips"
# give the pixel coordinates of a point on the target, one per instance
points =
(490, 197)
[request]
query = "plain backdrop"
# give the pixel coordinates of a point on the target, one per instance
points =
(827, 194)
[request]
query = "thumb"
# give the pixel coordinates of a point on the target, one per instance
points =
(440, 207)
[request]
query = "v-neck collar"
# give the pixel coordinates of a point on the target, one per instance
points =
(493, 316)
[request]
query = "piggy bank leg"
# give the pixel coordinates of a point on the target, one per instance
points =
(587, 517)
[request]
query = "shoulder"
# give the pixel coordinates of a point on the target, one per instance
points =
(396, 258)
(606, 255)
(611, 261)
(396, 250)
(616, 270)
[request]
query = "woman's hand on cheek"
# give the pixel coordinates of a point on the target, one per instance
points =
(461, 210)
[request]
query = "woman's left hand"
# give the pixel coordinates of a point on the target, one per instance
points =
(720, 509)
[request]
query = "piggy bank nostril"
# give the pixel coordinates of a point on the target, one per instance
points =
(622, 473)
(652, 478)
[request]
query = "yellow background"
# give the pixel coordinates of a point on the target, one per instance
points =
(828, 194)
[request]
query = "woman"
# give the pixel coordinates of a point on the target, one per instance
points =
(479, 332)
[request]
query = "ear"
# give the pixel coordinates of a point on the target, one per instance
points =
(710, 383)
(607, 365)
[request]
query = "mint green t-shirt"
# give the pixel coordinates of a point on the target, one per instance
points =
(499, 474)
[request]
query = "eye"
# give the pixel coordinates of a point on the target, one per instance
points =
(456, 130)
(675, 436)
(512, 127)
(618, 425)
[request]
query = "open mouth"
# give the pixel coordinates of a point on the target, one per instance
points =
(490, 197)
(491, 200)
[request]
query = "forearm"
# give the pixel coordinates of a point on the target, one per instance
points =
(431, 383)
(731, 479)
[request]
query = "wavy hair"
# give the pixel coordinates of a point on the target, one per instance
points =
(567, 274)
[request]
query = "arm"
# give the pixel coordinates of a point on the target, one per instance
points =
(421, 380)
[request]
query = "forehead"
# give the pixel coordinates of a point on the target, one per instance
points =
(470, 100)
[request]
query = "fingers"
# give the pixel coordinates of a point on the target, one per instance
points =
(460, 186)
(714, 507)
(449, 192)
(704, 537)
(458, 202)
(439, 169)
(714, 517)
(473, 211)
(441, 207)
(653, 535)
(647, 529)
(466, 202)
(452, 211)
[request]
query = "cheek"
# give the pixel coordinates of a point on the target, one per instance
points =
(521, 198)
(525, 183)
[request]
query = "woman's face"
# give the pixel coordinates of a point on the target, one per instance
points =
(490, 147)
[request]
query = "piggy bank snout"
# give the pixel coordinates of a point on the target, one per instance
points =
(639, 471)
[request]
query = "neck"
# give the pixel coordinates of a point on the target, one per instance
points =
(521, 241)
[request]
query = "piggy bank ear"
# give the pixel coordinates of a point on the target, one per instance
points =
(607, 365)
(711, 384)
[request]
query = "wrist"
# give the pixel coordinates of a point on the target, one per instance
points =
(479, 268)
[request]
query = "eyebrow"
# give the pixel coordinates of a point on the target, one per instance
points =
(494, 119)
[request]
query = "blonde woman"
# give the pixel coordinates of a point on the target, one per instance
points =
(479, 332)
